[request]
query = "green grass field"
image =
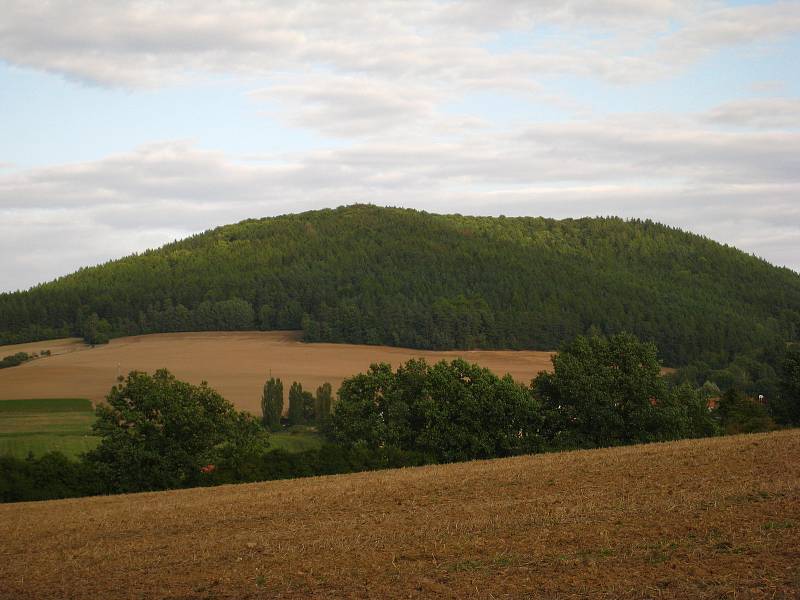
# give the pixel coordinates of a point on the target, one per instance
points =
(65, 424)
(295, 441)
(42, 425)
(51, 405)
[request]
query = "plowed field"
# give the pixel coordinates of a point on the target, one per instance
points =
(716, 518)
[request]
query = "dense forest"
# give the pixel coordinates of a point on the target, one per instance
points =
(365, 274)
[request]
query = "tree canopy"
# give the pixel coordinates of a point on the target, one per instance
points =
(159, 432)
(449, 411)
(609, 391)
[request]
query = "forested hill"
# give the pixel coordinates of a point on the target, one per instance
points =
(374, 275)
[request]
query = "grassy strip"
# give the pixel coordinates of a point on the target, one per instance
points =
(295, 441)
(43, 425)
(38, 444)
(47, 405)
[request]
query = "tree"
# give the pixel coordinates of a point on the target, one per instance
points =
(605, 392)
(272, 404)
(364, 416)
(788, 406)
(234, 314)
(309, 408)
(740, 414)
(468, 412)
(158, 432)
(296, 403)
(322, 404)
(700, 421)
(96, 330)
(449, 411)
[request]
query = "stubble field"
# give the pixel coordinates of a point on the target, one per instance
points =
(234, 363)
(716, 518)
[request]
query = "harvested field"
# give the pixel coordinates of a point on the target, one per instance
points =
(61, 346)
(234, 363)
(692, 519)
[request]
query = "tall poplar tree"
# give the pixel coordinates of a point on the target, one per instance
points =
(296, 401)
(322, 404)
(272, 404)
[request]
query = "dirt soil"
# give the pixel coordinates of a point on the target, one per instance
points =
(234, 363)
(716, 518)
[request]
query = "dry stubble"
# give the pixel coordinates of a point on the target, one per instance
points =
(715, 518)
(234, 363)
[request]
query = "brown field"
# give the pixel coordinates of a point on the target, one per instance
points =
(61, 346)
(716, 518)
(234, 363)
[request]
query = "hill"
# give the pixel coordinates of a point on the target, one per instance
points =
(364, 274)
(693, 519)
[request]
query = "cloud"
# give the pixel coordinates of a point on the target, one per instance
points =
(761, 113)
(768, 86)
(351, 106)
(383, 77)
(731, 25)
(739, 187)
(151, 44)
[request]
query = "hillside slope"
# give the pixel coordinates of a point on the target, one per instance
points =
(693, 519)
(234, 363)
(364, 274)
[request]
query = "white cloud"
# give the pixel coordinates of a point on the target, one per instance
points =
(739, 187)
(762, 113)
(146, 43)
(731, 25)
(381, 75)
(352, 106)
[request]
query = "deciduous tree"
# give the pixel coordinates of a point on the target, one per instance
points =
(272, 404)
(157, 432)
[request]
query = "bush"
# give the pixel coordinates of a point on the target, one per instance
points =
(48, 477)
(740, 414)
(14, 360)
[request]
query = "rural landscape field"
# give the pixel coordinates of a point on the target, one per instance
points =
(235, 363)
(38, 426)
(433, 299)
(713, 518)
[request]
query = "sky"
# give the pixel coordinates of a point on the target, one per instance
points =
(126, 125)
